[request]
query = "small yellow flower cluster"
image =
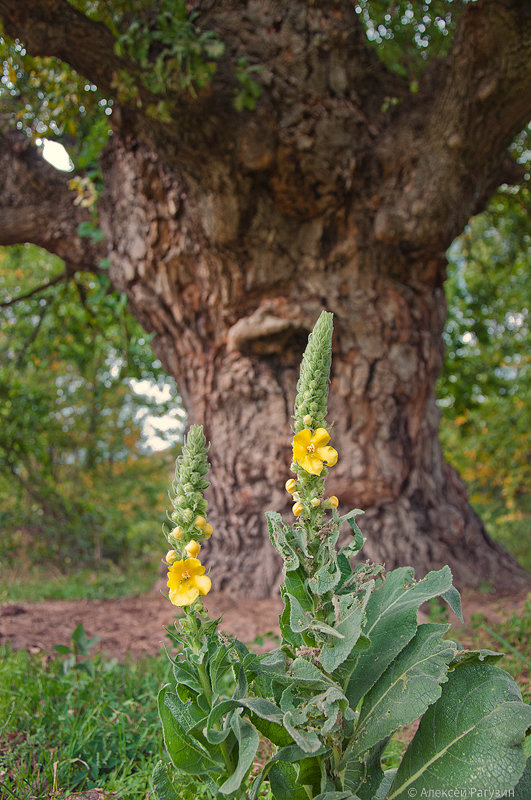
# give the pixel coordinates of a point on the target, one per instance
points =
(310, 451)
(187, 579)
(204, 528)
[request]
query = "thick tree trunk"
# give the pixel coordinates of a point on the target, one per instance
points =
(230, 231)
(232, 317)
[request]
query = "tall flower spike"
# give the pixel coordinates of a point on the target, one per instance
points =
(189, 505)
(312, 386)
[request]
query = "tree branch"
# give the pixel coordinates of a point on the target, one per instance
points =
(37, 206)
(58, 279)
(434, 179)
(56, 28)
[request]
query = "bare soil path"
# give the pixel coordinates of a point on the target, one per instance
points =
(132, 625)
(136, 625)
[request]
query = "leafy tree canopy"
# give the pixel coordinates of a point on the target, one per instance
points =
(486, 383)
(77, 478)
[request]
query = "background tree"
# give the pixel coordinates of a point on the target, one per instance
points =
(266, 161)
(78, 486)
(485, 382)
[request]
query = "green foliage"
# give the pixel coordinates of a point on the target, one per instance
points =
(487, 378)
(43, 97)
(406, 34)
(77, 480)
(29, 579)
(247, 94)
(353, 668)
(95, 723)
(174, 53)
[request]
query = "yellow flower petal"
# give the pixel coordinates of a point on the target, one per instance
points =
(301, 442)
(203, 583)
(193, 548)
(320, 437)
(183, 597)
(297, 509)
(186, 581)
(327, 454)
(310, 450)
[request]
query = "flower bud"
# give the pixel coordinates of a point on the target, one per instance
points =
(193, 548)
(171, 556)
(332, 501)
(291, 485)
(297, 509)
(307, 420)
(187, 514)
(208, 530)
(200, 522)
(177, 532)
(316, 502)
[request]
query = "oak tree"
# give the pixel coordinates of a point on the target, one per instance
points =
(269, 160)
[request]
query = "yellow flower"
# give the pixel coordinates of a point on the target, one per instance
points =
(186, 580)
(310, 451)
(193, 548)
(297, 509)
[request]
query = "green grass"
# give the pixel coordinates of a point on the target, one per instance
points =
(106, 581)
(73, 721)
(64, 728)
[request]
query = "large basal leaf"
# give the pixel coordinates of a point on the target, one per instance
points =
(410, 684)
(471, 738)
(364, 776)
(184, 750)
(391, 622)
(248, 739)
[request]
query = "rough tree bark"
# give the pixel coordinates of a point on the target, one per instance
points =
(230, 231)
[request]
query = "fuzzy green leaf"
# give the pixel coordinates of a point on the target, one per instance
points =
(284, 782)
(391, 622)
(453, 599)
(161, 782)
(337, 651)
(471, 738)
(410, 684)
(522, 790)
(248, 739)
(289, 754)
(186, 752)
(279, 533)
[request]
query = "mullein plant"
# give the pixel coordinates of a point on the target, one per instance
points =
(354, 666)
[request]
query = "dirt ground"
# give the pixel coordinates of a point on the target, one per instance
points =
(135, 625)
